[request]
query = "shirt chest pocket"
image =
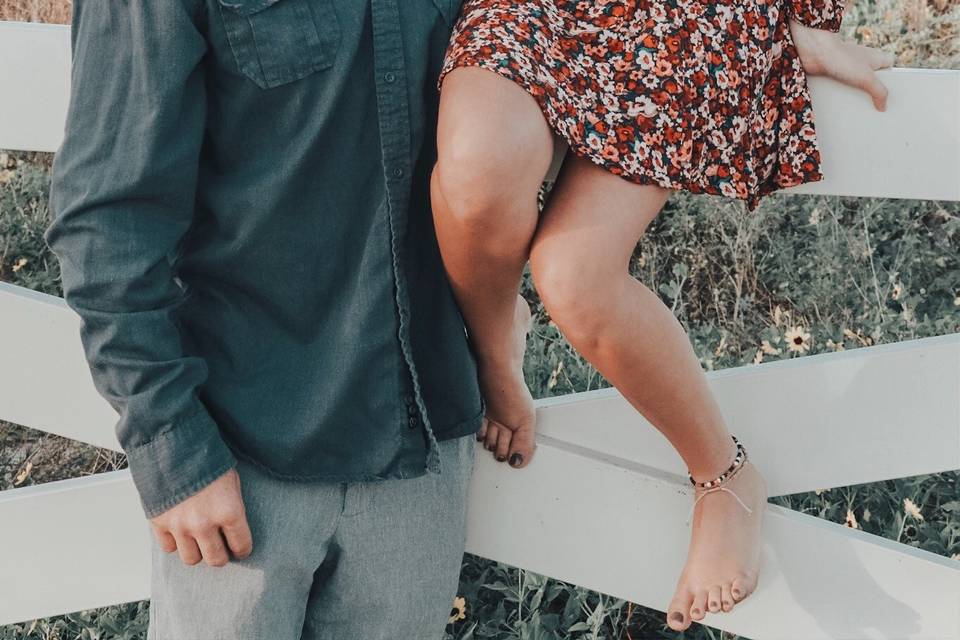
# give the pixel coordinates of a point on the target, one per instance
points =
(278, 41)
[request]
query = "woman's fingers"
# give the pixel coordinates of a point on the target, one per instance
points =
(875, 59)
(880, 59)
(855, 65)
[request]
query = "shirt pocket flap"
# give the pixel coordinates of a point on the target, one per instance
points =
(247, 7)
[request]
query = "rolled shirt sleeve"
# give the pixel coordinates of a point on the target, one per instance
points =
(122, 201)
(818, 14)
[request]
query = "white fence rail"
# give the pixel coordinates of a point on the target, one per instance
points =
(604, 501)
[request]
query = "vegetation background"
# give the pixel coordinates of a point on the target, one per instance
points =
(831, 273)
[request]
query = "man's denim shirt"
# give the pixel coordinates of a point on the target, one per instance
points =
(241, 211)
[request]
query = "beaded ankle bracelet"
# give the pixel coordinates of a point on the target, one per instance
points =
(715, 484)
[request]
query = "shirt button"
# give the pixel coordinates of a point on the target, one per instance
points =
(412, 410)
(413, 422)
(398, 173)
(390, 76)
(408, 399)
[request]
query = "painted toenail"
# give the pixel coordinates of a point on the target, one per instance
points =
(516, 459)
(676, 616)
(501, 458)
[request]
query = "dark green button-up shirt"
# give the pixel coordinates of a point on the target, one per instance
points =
(241, 211)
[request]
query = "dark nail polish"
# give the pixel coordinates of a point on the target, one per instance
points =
(501, 458)
(516, 459)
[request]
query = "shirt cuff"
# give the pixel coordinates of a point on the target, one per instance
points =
(179, 462)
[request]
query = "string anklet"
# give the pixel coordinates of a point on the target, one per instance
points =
(716, 484)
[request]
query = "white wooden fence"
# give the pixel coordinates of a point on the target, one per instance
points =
(603, 503)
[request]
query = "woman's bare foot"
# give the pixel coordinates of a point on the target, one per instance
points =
(724, 554)
(510, 423)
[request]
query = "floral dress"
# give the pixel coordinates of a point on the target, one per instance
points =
(703, 95)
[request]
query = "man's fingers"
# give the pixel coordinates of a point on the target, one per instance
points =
(212, 548)
(238, 537)
(165, 539)
(188, 549)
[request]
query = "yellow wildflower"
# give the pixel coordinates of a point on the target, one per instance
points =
(459, 611)
(768, 348)
(797, 339)
(911, 509)
(851, 520)
(23, 475)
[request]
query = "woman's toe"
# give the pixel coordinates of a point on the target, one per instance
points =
(677, 613)
(742, 586)
(726, 598)
(503, 444)
(482, 432)
(521, 447)
(699, 607)
(713, 599)
(493, 430)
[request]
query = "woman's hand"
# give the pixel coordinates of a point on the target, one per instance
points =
(825, 53)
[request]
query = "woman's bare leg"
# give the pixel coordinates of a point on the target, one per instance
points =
(580, 258)
(494, 149)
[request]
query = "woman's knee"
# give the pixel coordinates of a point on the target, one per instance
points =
(494, 148)
(572, 288)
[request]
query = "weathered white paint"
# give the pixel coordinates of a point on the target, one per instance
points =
(35, 76)
(45, 381)
(72, 545)
(613, 526)
(592, 519)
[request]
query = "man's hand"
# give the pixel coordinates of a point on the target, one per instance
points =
(825, 53)
(193, 527)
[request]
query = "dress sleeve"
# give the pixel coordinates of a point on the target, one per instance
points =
(122, 199)
(818, 14)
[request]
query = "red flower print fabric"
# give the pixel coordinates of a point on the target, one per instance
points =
(709, 97)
